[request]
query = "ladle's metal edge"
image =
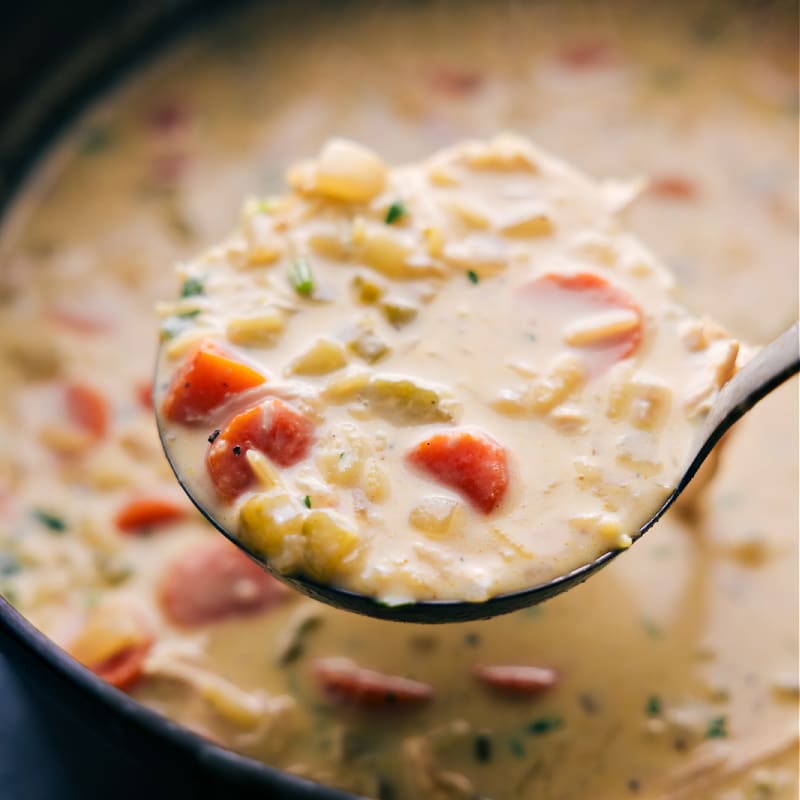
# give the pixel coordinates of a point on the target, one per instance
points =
(779, 360)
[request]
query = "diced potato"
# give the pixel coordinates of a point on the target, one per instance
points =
(562, 379)
(369, 346)
(109, 629)
(607, 525)
(434, 241)
(263, 245)
(341, 455)
(472, 215)
(398, 312)
(330, 541)
(65, 440)
(323, 357)
(638, 452)
(387, 252)
(406, 402)
(526, 221)
(569, 419)
(505, 153)
(716, 365)
(649, 405)
(329, 244)
(259, 330)
(268, 521)
(366, 290)
(483, 253)
(374, 481)
(439, 174)
(601, 327)
(348, 171)
(183, 342)
(346, 387)
(438, 516)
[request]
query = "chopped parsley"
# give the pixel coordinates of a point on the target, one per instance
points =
(544, 725)
(96, 140)
(301, 277)
(8, 565)
(192, 287)
(482, 748)
(395, 211)
(473, 276)
(653, 706)
(716, 729)
(651, 629)
(190, 314)
(517, 747)
(307, 501)
(50, 521)
(266, 205)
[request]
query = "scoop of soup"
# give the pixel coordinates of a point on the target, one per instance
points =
(446, 380)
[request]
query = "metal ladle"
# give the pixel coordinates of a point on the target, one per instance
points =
(774, 364)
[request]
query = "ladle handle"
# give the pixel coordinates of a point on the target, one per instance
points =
(774, 364)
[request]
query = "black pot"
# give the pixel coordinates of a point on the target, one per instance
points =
(55, 57)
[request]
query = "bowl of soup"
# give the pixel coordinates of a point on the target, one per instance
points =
(673, 674)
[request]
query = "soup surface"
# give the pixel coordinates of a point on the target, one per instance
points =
(672, 674)
(447, 380)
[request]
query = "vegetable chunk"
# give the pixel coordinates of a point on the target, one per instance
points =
(143, 513)
(473, 464)
(344, 680)
(216, 581)
(272, 427)
(207, 380)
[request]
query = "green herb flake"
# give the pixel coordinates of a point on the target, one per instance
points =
(9, 565)
(50, 521)
(543, 725)
(395, 211)
(473, 276)
(717, 729)
(653, 706)
(307, 501)
(517, 747)
(192, 287)
(10, 596)
(301, 277)
(190, 314)
(482, 748)
(266, 205)
(651, 629)
(96, 140)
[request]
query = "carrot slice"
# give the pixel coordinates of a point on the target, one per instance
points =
(216, 581)
(205, 381)
(276, 429)
(123, 669)
(143, 513)
(672, 187)
(473, 464)
(584, 294)
(517, 679)
(342, 679)
(87, 408)
(144, 395)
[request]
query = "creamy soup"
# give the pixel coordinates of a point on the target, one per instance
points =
(673, 673)
(443, 381)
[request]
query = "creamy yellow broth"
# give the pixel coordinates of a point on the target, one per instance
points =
(677, 666)
(486, 383)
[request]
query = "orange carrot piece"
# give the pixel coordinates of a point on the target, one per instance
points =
(123, 669)
(473, 464)
(144, 395)
(672, 187)
(143, 513)
(209, 378)
(595, 292)
(87, 408)
(273, 427)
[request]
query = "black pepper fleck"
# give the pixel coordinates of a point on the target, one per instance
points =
(482, 747)
(237, 450)
(214, 435)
